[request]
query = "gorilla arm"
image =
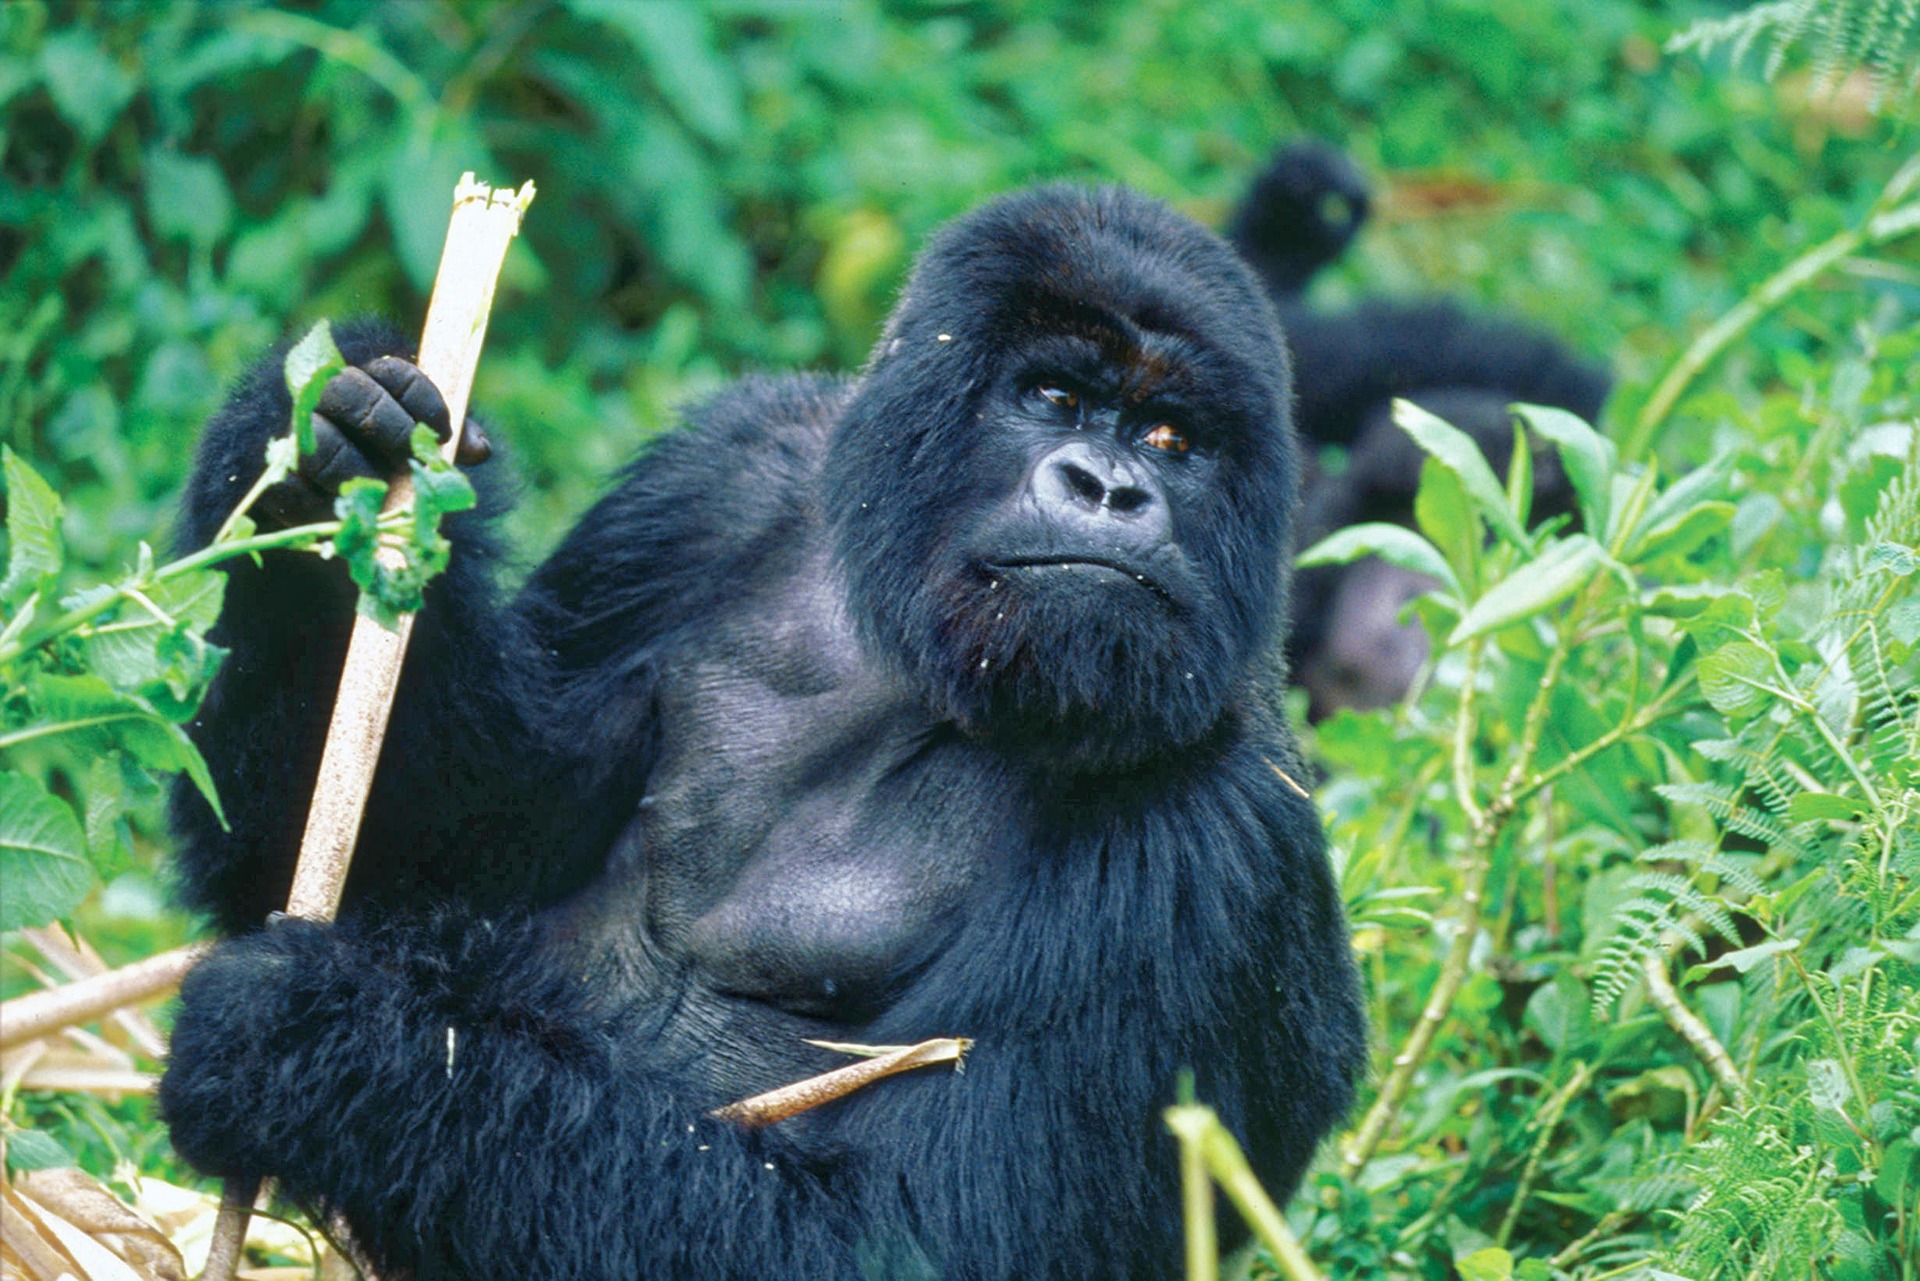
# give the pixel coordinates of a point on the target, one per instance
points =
(444, 1086)
(465, 764)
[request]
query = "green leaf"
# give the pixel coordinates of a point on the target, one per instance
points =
(1747, 957)
(1536, 586)
(1456, 451)
(33, 529)
(43, 855)
(1827, 1085)
(169, 663)
(1894, 558)
(88, 706)
(1685, 532)
(676, 41)
(309, 364)
(36, 1150)
(1395, 544)
(1589, 459)
(87, 85)
(1490, 1264)
(187, 197)
(1679, 498)
(1445, 515)
(1809, 807)
(1737, 679)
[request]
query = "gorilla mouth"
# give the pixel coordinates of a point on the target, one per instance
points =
(1071, 564)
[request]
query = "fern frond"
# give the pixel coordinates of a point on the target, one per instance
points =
(1838, 36)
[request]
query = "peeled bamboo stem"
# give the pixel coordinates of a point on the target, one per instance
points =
(484, 222)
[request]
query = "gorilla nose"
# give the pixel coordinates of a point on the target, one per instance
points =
(1088, 485)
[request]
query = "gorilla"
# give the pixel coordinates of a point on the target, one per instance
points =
(937, 701)
(1347, 646)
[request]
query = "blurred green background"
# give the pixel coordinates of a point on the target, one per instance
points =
(742, 182)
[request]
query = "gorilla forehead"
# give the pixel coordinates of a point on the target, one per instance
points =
(1151, 287)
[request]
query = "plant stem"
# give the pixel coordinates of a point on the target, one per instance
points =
(1488, 824)
(298, 537)
(1196, 1193)
(1548, 1120)
(1887, 221)
(1690, 1029)
(1228, 1165)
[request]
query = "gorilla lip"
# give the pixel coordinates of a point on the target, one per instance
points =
(1084, 562)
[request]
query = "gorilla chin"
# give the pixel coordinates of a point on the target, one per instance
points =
(1080, 663)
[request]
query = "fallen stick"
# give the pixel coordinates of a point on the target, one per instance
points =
(36, 1014)
(484, 222)
(804, 1096)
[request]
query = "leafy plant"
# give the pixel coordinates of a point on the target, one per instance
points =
(1840, 36)
(97, 684)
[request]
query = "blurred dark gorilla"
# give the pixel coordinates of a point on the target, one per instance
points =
(1347, 646)
(928, 702)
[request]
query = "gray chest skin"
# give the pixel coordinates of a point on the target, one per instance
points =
(799, 852)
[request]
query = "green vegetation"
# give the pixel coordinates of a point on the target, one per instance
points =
(1635, 871)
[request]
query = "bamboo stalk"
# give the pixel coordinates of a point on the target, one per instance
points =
(484, 222)
(36, 1014)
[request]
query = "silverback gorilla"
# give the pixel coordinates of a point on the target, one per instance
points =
(936, 701)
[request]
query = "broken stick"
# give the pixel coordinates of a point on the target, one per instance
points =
(484, 222)
(804, 1096)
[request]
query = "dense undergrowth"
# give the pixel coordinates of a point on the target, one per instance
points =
(1635, 871)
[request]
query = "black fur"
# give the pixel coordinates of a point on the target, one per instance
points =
(839, 717)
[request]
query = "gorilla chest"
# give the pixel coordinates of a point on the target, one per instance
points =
(808, 834)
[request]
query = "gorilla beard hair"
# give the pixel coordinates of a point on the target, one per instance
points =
(1087, 680)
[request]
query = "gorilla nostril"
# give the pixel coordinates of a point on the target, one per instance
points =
(1127, 499)
(1084, 484)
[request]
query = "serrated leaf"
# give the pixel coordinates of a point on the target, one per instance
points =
(309, 364)
(43, 855)
(1536, 586)
(1894, 558)
(1588, 458)
(34, 550)
(1395, 544)
(1737, 679)
(1457, 452)
(87, 705)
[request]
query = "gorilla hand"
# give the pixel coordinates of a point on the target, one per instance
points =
(363, 426)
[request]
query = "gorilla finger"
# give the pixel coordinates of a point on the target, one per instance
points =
(475, 447)
(416, 393)
(335, 459)
(370, 417)
(293, 501)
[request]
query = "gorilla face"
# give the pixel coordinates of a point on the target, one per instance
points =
(1061, 494)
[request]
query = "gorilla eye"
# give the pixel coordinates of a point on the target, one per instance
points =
(1165, 436)
(1058, 396)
